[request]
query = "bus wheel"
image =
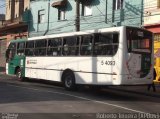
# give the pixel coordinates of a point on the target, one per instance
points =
(19, 74)
(68, 79)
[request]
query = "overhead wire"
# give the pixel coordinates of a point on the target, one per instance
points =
(86, 20)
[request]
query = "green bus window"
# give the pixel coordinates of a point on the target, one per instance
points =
(12, 46)
(20, 48)
(11, 51)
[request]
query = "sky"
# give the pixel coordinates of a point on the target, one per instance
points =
(2, 6)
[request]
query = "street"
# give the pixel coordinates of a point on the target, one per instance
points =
(39, 99)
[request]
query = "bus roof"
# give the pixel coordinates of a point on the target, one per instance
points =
(114, 29)
(18, 40)
(109, 29)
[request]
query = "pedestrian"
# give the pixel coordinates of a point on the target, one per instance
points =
(152, 85)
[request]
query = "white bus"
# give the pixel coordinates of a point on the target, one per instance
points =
(108, 56)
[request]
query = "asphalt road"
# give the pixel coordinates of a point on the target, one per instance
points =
(45, 100)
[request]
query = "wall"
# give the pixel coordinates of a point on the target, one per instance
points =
(151, 12)
(15, 8)
(8, 10)
(103, 16)
(2, 54)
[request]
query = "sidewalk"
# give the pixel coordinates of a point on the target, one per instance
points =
(141, 90)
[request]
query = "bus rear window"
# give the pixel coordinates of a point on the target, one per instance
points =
(139, 40)
(140, 44)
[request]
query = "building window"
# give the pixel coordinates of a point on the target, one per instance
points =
(86, 10)
(117, 4)
(41, 16)
(61, 14)
(157, 37)
(17, 1)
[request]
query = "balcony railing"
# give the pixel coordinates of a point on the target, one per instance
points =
(11, 21)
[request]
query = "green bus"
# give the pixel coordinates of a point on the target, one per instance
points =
(15, 58)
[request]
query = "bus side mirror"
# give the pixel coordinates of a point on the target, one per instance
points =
(7, 53)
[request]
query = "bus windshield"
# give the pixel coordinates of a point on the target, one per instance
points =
(139, 40)
(11, 51)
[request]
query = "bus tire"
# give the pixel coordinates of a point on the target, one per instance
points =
(68, 79)
(19, 74)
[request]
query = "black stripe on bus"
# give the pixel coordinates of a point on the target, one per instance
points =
(73, 71)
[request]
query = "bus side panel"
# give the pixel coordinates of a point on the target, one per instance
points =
(92, 71)
(87, 70)
(17, 61)
(42, 68)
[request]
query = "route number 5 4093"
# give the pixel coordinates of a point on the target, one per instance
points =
(107, 62)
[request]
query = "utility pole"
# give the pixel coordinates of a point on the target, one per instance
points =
(77, 21)
(48, 18)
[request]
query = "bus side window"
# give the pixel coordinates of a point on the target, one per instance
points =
(106, 44)
(29, 48)
(86, 45)
(20, 48)
(54, 47)
(40, 47)
(7, 55)
(101, 45)
(70, 46)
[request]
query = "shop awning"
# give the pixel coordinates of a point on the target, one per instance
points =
(59, 3)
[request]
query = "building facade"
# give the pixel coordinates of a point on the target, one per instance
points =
(2, 43)
(44, 17)
(152, 17)
(57, 16)
(14, 26)
(152, 20)
(152, 23)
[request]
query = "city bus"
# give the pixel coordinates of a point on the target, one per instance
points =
(101, 57)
